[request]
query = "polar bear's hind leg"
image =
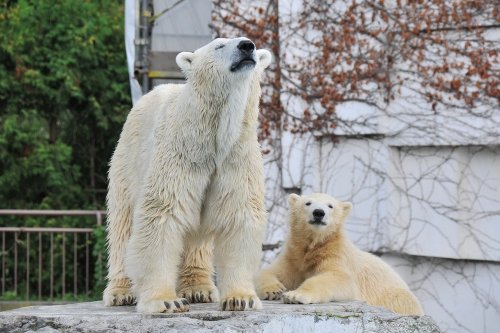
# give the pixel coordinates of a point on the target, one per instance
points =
(401, 301)
(119, 222)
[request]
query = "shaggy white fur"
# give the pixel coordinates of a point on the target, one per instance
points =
(187, 174)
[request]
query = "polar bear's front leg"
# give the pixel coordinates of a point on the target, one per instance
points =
(235, 213)
(268, 285)
(237, 255)
(153, 257)
(323, 287)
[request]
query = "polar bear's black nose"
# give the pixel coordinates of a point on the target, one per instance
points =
(246, 46)
(318, 213)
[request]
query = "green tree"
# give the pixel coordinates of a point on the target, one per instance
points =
(63, 100)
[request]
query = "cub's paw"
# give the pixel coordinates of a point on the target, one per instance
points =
(272, 291)
(297, 297)
(114, 295)
(241, 303)
(200, 294)
(159, 306)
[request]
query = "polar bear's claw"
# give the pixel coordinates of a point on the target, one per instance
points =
(200, 294)
(116, 296)
(273, 292)
(297, 297)
(241, 303)
(158, 306)
(178, 305)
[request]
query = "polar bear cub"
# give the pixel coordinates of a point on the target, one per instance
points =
(186, 184)
(320, 264)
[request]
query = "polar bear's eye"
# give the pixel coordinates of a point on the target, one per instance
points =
(220, 46)
(308, 203)
(330, 205)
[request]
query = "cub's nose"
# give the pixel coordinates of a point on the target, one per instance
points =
(246, 46)
(318, 213)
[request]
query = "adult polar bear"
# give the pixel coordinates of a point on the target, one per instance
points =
(187, 174)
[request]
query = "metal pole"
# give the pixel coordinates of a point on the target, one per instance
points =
(87, 264)
(143, 42)
(39, 265)
(3, 263)
(51, 266)
(48, 212)
(75, 265)
(15, 263)
(27, 266)
(63, 265)
(98, 216)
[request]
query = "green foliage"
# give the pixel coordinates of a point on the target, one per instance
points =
(63, 99)
(35, 173)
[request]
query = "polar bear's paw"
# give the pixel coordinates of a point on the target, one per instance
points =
(298, 297)
(118, 293)
(159, 306)
(202, 293)
(240, 303)
(272, 291)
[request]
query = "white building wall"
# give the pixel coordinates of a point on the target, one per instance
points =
(461, 295)
(425, 188)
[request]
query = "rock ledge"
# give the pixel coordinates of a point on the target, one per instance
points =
(275, 317)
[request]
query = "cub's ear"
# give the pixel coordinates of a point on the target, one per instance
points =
(292, 199)
(346, 208)
(185, 60)
(265, 57)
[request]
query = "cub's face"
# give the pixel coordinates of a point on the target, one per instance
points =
(318, 212)
(224, 58)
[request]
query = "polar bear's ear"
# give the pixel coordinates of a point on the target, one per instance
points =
(346, 208)
(293, 198)
(185, 60)
(264, 57)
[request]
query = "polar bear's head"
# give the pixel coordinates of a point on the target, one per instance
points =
(223, 59)
(318, 212)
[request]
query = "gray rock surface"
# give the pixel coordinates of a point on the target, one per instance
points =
(275, 317)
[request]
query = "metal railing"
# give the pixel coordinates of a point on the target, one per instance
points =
(45, 242)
